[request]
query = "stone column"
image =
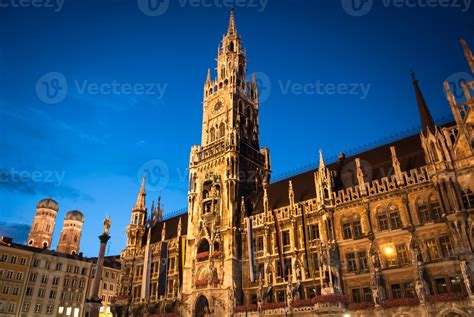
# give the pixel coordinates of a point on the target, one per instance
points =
(94, 303)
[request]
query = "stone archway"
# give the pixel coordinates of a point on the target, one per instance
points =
(201, 308)
(452, 312)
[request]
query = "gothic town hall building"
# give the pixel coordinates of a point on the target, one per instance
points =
(342, 240)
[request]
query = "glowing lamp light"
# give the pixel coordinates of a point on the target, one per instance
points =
(388, 251)
(346, 315)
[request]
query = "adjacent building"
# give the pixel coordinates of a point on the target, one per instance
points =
(37, 281)
(45, 282)
(14, 269)
(386, 232)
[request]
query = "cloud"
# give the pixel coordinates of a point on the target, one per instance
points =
(39, 182)
(17, 231)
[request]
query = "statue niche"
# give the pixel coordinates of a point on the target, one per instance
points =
(211, 197)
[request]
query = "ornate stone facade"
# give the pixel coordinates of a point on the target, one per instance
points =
(387, 232)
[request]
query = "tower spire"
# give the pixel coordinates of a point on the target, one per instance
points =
(208, 78)
(427, 123)
(468, 54)
(231, 29)
(140, 204)
(321, 159)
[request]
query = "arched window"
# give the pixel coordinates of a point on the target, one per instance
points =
(222, 130)
(428, 210)
(212, 134)
(64, 237)
(468, 199)
(248, 113)
(222, 72)
(435, 208)
(434, 152)
(203, 246)
(351, 227)
(388, 219)
(422, 210)
(203, 250)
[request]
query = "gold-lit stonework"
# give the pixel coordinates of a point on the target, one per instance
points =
(387, 232)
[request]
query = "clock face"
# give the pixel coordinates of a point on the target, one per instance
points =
(217, 107)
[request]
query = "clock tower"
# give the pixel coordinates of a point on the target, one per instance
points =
(228, 165)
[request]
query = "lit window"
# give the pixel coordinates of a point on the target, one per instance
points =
(433, 249)
(68, 311)
(402, 254)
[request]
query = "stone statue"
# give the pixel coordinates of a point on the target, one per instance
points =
(420, 290)
(466, 274)
(374, 257)
(374, 285)
(298, 273)
(269, 277)
(289, 293)
(107, 222)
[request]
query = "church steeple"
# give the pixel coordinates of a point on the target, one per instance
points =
(137, 226)
(231, 29)
(140, 204)
(468, 54)
(427, 123)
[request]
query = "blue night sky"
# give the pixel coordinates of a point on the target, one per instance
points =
(89, 150)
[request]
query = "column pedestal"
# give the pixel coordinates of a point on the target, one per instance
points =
(94, 302)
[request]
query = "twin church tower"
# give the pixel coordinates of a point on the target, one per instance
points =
(41, 233)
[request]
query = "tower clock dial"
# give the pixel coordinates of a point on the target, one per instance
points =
(217, 107)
